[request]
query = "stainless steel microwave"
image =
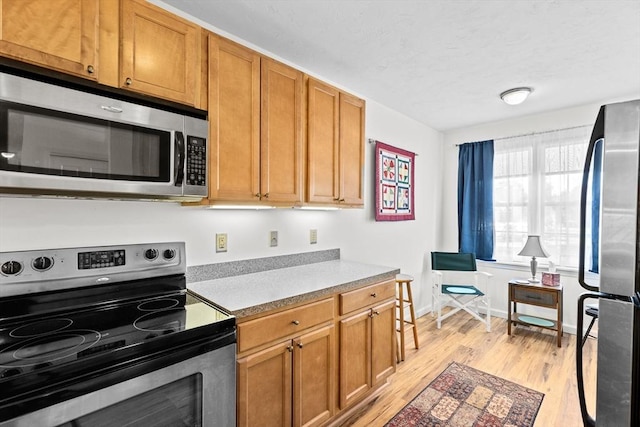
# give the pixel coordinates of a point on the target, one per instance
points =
(60, 141)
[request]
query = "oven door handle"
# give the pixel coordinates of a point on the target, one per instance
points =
(179, 166)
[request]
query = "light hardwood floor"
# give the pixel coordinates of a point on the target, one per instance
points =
(528, 357)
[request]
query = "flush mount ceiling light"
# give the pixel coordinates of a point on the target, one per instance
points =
(515, 96)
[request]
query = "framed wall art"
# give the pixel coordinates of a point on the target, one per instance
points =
(394, 183)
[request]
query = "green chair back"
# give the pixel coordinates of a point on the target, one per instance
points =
(453, 261)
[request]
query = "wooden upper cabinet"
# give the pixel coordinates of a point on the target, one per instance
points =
(160, 53)
(255, 116)
(335, 146)
(234, 121)
(60, 35)
(281, 132)
(351, 150)
(323, 171)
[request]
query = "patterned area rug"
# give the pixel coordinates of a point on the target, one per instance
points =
(463, 397)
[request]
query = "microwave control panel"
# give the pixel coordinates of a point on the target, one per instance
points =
(196, 161)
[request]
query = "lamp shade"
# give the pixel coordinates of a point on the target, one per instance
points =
(534, 248)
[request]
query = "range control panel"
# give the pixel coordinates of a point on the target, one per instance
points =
(101, 259)
(24, 272)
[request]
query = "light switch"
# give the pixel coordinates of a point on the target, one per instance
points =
(313, 236)
(273, 239)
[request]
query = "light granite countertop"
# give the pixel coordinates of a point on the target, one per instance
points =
(249, 294)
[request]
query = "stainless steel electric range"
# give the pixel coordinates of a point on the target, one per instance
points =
(104, 336)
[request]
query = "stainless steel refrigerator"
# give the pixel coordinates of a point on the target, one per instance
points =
(617, 239)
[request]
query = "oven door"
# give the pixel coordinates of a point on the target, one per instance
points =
(199, 391)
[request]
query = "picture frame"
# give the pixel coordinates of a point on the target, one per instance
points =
(394, 183)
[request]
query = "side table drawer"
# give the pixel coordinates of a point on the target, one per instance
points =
(535, 297)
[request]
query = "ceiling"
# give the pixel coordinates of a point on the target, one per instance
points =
(445, 62)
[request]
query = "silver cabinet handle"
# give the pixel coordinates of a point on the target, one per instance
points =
(296, 322)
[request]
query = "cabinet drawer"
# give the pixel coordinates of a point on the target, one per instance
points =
(354, 300)
(535, 297)
(269, 328)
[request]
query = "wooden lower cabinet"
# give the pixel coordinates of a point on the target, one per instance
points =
(294, 370)
(367, 355)
(264, 387)
(313, 377)
(289, 383)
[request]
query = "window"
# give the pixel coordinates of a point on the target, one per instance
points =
(537, 181)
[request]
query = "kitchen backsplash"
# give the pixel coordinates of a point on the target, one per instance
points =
(220, 270)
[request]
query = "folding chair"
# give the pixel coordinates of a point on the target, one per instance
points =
(463, 296)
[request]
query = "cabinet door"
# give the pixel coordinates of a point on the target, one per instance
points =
(264, 387)
(355, 357)
(61, 35)
(281, 133)
(351, 150)
(322, 143)
(313, 377)
(160, 53)
(234, 121)
(383, 357)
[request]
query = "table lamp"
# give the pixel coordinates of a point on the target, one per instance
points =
(533, 248)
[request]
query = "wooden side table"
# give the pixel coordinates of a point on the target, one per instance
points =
(538, 295)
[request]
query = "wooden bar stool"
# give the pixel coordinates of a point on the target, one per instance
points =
(402, 304)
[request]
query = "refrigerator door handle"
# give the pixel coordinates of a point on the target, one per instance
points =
(596, 134)
(635, 299)
(587, 419)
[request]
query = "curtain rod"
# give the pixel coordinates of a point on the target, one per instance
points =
(532, 133)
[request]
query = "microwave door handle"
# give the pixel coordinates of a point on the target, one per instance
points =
(597, 133)
(178, 166)
(588, 420)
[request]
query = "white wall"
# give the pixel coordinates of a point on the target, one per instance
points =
(448, 238)
(34, 223)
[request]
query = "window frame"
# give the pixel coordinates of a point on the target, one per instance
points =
(536, 205)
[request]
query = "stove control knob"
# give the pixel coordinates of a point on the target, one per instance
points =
(169, 254)
(151, 254)
(42, 263)
(11, 268)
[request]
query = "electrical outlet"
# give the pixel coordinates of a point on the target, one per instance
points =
(221, 242)
(273, 239)
(313, 236)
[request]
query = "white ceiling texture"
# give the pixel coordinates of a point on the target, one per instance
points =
(445, 62)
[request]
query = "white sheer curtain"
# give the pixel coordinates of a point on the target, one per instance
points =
(537, 180)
